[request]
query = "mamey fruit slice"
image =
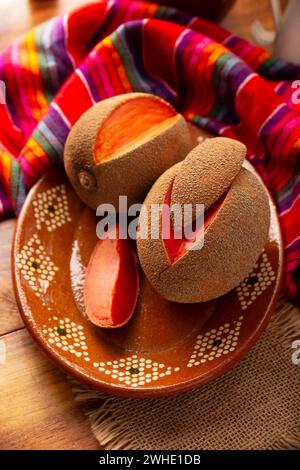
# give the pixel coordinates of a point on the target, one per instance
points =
(130, 124)
(111, 283)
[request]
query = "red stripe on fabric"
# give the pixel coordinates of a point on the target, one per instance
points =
(217, 33)
(254, 105)
(38, 163)
(13, 89)
(241, 132)
(106, 52)
(198, 75)
(82, 25)
(291, 222)
(275, 134)
(287, 160)
(11, 137)
(253, 57)
(73, 109)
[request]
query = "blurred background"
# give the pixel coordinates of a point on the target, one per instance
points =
(17, 16)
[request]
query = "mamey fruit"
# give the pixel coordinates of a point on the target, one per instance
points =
(122, 145)
(111, 282)
(236, 224)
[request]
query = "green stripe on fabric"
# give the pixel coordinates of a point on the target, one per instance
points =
(215, 80)
(161, 12)
(267, 64)
(127, 61)
(216, 110)
(43, 65)
(217, 66)
(14, 179)
(281, 192)
(47, 147)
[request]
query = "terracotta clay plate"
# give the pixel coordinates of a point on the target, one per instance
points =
(166, 348)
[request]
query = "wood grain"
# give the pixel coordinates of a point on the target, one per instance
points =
(37, 409)
(10, 319)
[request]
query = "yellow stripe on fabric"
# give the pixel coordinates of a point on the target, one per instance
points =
(5, 163)
(215, 51)
(33, 148)
(121, 71)
(262, 58)
(152, 9)
(117, 65)
(34, 66)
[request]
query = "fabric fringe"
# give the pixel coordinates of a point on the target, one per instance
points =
(110, 431)
(291, 442)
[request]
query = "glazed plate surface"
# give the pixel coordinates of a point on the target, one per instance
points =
(166, 348)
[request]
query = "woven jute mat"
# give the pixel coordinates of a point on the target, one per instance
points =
(254, 406)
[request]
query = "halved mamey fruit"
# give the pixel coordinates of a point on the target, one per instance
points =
(111, 282)
(236, 225)
(121, 145)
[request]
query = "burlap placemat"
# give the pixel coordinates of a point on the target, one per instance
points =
(254, 406)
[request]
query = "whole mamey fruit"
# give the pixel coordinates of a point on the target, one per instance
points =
(236, 224)
(121, 145)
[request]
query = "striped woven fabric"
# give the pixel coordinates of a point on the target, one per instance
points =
(215, 79)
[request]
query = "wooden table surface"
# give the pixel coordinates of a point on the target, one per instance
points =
(37, 409)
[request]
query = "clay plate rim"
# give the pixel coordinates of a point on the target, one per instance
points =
(152, 391)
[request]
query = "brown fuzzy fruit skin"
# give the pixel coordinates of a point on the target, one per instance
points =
(130, 174)
(232, 243)
(220, 160)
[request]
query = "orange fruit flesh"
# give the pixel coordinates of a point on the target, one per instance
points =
(111, 283)
(131, 124)
(176, 248)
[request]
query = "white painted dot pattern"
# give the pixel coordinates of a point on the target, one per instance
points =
(51, 208)
(35, 265)
(64, 335)
(215, 343)
(260, 278)
(135, 371)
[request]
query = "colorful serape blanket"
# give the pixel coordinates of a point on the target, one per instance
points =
(216, 80)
